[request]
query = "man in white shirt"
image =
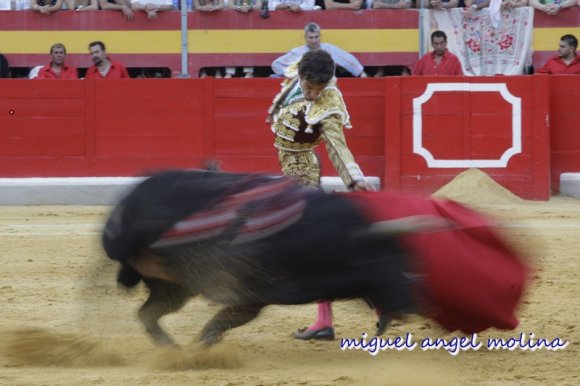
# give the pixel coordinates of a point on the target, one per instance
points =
(312, 38)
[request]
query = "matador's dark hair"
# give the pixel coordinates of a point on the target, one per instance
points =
(316, 66)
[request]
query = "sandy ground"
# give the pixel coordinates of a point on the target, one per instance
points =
(63, 320)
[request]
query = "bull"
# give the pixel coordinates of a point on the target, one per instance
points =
(250, 240)
(247, 241)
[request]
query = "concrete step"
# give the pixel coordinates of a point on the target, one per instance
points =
(570, 184)
(93, 190)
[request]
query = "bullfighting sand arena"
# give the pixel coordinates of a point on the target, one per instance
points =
(64, 321)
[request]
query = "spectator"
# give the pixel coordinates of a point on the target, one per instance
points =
(82, 5)
(344, 4)
(291, 5)
(46, 7)
(440, 61)
(104, 67)
(243, 6)
(443, 4)
(151, 7)
(472, 6)
(552, 7)
(567, 61)
(57, 68)
(118, 5)
(312, 37)
(393, 4)
(511, 4)
(209, 5)
(4, 68)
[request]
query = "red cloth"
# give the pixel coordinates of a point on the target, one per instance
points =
(473, 280)
(449, 65)
(67, 72)
(556, 65)
(116, 71)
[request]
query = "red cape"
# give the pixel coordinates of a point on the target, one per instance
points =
(473, 280)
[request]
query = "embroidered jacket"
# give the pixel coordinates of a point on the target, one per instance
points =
(300, 125)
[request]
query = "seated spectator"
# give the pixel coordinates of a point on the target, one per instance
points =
(118, 5)
(243, 6)
(57, 68)
(511, 4)
(392, 4)
(312, 38)
(344, 4)
(103, 66)
(443, 4)
(208, 5)
(46, 7)
(151, 7)
(82, 5)
(472, 6)
(567, 61)
(551, 7)
(291, 5)
(440, 61)
(4, 68)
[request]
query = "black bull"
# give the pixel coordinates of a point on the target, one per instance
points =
(247, 241)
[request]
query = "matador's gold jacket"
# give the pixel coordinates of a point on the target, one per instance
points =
(300, 125)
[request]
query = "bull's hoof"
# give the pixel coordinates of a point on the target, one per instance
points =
(382, 325)
(321, 334)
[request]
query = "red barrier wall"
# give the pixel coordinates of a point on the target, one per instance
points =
(127, 127)
(466, 125)
(564, 126)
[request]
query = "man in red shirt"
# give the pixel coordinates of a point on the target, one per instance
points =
(440, 61)
(104, 68)
(57, 68)
(567, 61)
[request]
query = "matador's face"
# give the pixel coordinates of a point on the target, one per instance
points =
(311, 90)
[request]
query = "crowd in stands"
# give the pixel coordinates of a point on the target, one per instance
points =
(438, 62)
(152, 7)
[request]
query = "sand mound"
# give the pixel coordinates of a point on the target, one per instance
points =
(38, 347)
(474, 186)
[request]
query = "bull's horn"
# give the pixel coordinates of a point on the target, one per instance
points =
(412, 224)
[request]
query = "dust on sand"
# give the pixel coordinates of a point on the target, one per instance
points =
(65, 322)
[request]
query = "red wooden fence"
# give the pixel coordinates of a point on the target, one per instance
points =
(129, 127)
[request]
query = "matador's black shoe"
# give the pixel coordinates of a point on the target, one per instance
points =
(321, 334)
